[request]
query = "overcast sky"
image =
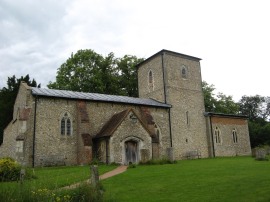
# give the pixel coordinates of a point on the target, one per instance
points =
(231, 36)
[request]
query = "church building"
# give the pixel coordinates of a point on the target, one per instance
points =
(167, 120)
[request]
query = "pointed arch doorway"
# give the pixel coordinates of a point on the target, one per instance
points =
(131, 152)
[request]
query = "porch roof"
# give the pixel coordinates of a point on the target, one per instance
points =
(115, 121)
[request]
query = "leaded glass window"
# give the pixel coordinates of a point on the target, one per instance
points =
(234, 134)
(66, 125)
(217, 135)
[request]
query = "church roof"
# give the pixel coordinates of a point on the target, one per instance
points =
(225, 115)
(164, 51)
(115, 121)
(108, 129)
(97, 97)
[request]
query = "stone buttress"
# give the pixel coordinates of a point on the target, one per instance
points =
(84, 140)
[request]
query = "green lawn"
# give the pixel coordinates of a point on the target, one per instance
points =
(50, 178)
(219, 179)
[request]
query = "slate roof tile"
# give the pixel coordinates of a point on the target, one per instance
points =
(97, 97)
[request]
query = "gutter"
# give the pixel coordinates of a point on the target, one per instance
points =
(165, 96)
(138, 93)
(212, 137)
(107, 151)
(34, 133)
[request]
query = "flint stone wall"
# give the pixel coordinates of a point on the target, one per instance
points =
(50, 142)
(227, 147)
(185, 96)
(19, 128)
(125, 132)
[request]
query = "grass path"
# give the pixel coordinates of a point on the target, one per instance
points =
(111, 173)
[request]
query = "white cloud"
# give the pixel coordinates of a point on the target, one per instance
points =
(232, 37)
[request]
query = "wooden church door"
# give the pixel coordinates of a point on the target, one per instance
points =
(131, 152)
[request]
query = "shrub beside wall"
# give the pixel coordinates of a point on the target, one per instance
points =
(9, 169)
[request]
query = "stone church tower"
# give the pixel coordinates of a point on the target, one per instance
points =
(175, 79)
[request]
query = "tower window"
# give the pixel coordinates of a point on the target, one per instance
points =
(150, 81)
(187, 117)
(184, 72)
(150, 77)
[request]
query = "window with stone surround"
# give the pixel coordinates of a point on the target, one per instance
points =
(150, 77)
(150, 80)
(234, 135)
(184, 71)
(157, 130)
(19, 146)
(217, 135)
(66, 124)
(187, 118)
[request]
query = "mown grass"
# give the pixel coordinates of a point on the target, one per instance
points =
(50, 178)
(219, 179)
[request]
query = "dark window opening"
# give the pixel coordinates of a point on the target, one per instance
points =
(150, 77)
(217, 135)
(184, 72)
(63, 126)
(234, 134)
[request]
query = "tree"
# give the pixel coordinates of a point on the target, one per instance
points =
(7, 99)
(259, 133)
(108, 76)
(256, 107)
(209, 99)
(225, 104)
(265, 109)
(88, 71)
(128, 75)
(79, 72)
(220, 103)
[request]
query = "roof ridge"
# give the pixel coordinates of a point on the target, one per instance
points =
(68, 94)
(116, 120)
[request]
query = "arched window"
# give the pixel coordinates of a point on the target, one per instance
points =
(184, 72)
(217, 135)
(66, 126)
(63, 125)
(150, 77)
(157, 130)
(150, 81)
(234, 135)
(187, 117)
